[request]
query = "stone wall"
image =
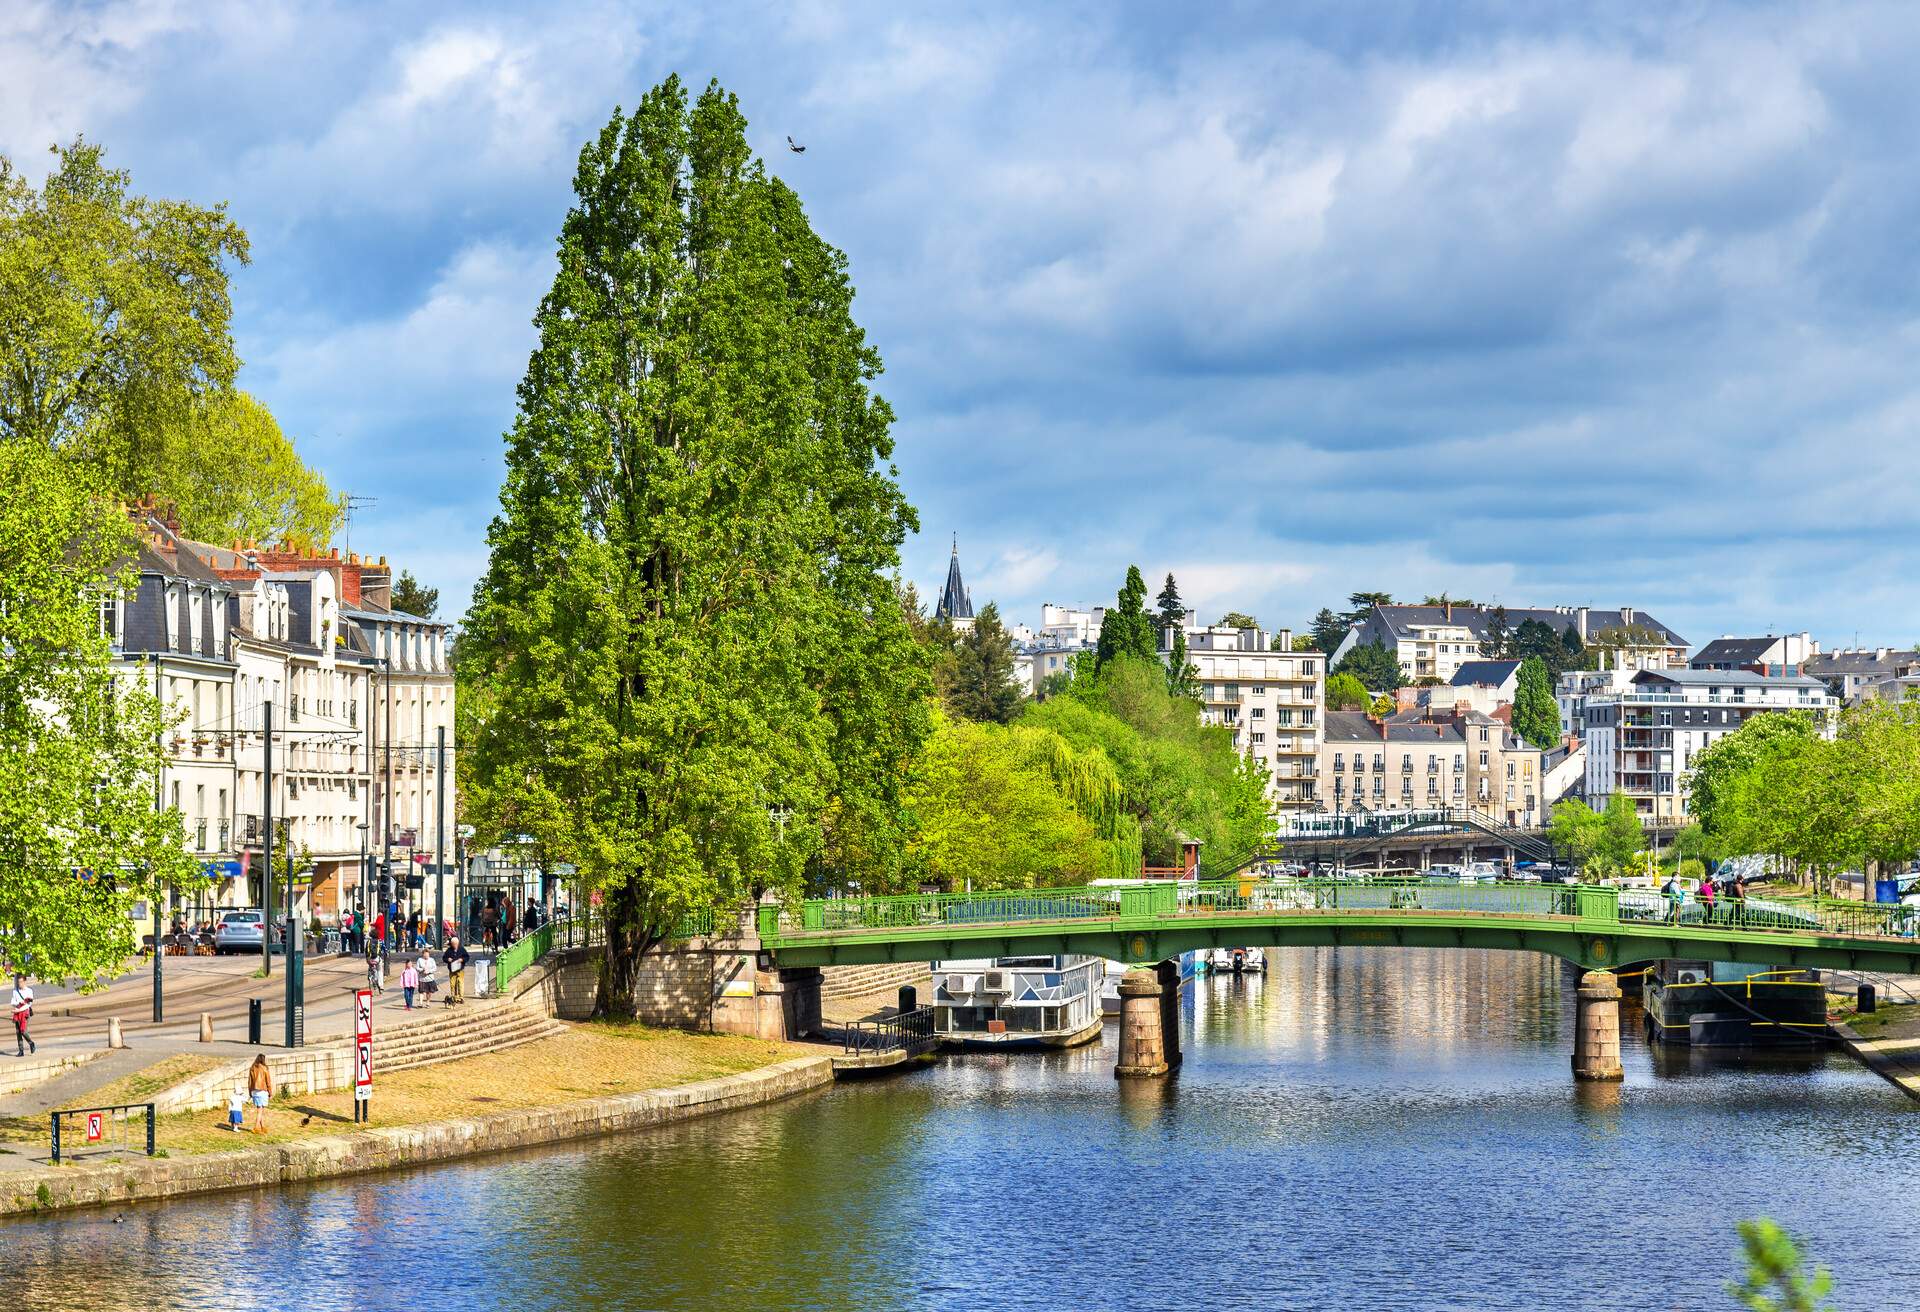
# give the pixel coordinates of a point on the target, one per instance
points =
(87, 1185)
(305, 1070)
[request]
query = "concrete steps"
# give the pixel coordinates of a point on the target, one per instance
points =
(468, 1030)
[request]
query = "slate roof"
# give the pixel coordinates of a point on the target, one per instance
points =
(1734, 651)
(1492, 673)
(1402, 620)
(1355, 727)
(1728, 679)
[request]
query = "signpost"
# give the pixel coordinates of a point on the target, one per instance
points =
(362, 1053)
(95, 1126)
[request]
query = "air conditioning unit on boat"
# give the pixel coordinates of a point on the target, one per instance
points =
(1690, 977)
(959, 986)
(996, 981)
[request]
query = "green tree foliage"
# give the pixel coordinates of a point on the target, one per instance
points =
(986, 811)
(230, 473)
(1177, 775)
(1327, 631)
(688, 620)
(1236, 619)
(1496, 643)
(1691, 843)
(1774, 1280)
(1173, 611)
(1822, 804)
(116, 349)
(411, 596)
(1536, 715)
(1444, 600)
(1126, 630)
(1573, 652)
(1383, 706)
(981, 686)
(1575, 830)
(1345, 692)
(1621, 836)
(1375, 666)
(1611, 642)
(79, 756)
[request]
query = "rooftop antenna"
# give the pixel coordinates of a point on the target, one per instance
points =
(350, 503)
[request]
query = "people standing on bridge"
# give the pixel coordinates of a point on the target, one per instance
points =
(1671, 892)
(1739, 894)
(21, 1005)
(260, 1087)
(1705, 895)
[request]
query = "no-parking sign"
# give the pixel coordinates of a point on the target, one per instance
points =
(363, 1045)
(95, 1126)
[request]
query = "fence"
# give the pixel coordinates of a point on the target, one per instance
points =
(110, 1127)
(911, 1030)
(577, 931)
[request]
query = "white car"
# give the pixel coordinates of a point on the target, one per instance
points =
(238, 931)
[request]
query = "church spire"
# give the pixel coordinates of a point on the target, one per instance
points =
(955, 603)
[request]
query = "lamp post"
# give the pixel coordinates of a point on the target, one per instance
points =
(360, 889)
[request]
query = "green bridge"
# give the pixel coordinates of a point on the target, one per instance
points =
(1598, 928)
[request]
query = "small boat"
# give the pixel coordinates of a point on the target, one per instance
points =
(1733, 1004)
(1018, 1002)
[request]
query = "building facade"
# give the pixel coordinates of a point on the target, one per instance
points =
(170, 634)
(1770, 654)
(1434, 641)
(1272, 698)
(1849, 672)
(1641, 739)
(1411, 761)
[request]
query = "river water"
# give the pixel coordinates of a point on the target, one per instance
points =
(1363, 1128)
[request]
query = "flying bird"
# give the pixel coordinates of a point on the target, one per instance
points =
(795, 147)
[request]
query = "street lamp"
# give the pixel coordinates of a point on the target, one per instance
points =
(360, 893)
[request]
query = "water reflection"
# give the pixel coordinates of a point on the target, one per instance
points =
(1384, 1128)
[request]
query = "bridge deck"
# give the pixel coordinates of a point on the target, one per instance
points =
(1596, 927)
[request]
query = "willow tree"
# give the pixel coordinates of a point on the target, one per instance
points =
(699, 681)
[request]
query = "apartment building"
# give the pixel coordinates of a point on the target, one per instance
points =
(170, 635)
(1785, 653)
(1855, 673)
(1434, 641)
(1270, 696)
(1416, 761)
(414, 705)
(1641, 739)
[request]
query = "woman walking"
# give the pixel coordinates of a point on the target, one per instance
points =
(260, 1090)
(21, 1005)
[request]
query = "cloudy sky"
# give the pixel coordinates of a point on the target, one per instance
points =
(1554, 304)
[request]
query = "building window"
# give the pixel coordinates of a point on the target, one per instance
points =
(110, 619)
(1339, 762)
(1483, 760)
(1406, 763)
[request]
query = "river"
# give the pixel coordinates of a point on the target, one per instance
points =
(1363, 1128)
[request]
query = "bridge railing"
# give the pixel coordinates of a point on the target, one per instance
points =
(1592, 905)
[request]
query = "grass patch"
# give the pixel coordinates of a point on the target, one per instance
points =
(144, 1083)
(1876, 1024)
(586, 1063)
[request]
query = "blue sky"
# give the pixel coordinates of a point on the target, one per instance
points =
(1554, 304)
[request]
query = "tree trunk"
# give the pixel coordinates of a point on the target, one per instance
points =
(627, 942)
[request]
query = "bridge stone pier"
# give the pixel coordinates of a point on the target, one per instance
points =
(1149, 1021)
(1596, 1028)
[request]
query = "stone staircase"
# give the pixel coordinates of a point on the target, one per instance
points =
(468, 1030)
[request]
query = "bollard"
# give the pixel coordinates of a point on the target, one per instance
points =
(1868, 1002)
(206, 1027)
(909, 1000)
(253, 1022)
(114, 1039)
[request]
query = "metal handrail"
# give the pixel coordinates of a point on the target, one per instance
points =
(907, 1029)
(54, 1118)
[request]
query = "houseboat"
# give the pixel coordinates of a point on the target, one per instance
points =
(1734, 1004)
(1017, 1002)
(1235, 961)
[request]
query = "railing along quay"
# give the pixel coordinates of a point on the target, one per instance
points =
(909, 1030)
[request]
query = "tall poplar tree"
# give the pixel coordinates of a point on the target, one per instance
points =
(1126, 629)
(700, 682)
(1536, 714)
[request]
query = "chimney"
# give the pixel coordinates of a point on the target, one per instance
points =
(1447, 606)
(1580, 623)
(1626, 615)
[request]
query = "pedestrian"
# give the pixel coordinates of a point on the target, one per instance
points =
(260, 1086)
(507, 921)
(237, 1107)
(379, 933)
(346, 932)
(21, 1005)
(376, 974)
(1705, 895)
(489, 924)
(413, 930)
(1671, 892)
(409, 981)
(1739, 891)
(456, 973)
(429, 982)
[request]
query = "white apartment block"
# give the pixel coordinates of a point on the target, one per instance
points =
(1641, 740)
(1273, 700)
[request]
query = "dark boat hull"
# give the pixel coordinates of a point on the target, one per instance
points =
(1737, 1013)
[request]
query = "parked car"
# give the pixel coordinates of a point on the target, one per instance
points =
(238, 931)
